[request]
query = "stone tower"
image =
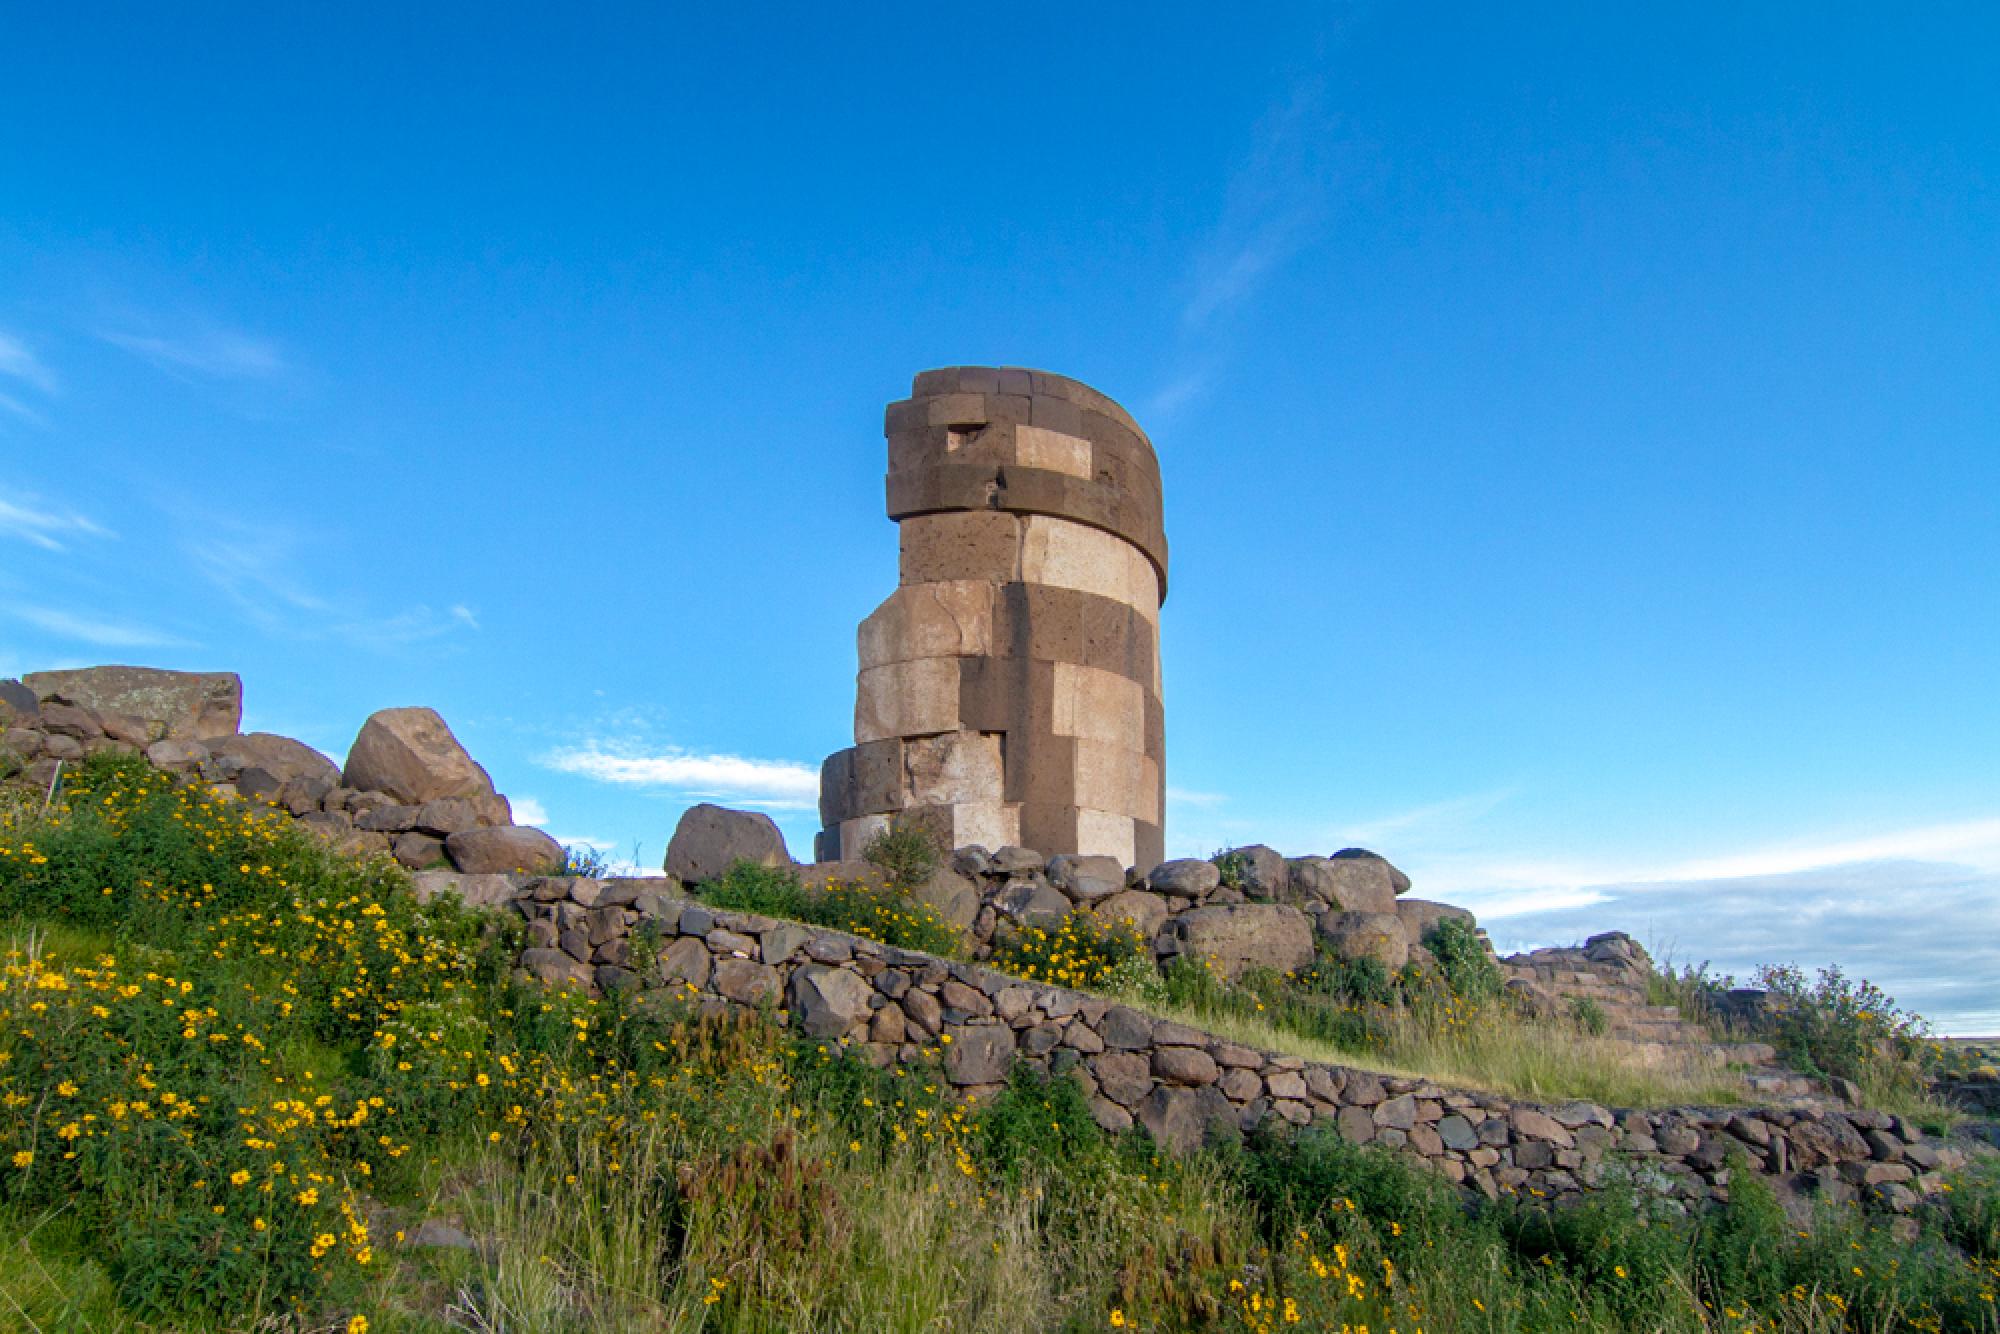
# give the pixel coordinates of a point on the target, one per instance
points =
(1009, 689)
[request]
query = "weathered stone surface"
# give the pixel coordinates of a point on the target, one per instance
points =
(1398, 882)
(1419, 916)
(1188, 878)
(1367, 935)
(1172, 1116)
(1032, 900)
(710, 839)
(1086, 879)
(978, 1053)
(686, 960)
(279, 756)
(189, 705)
(955, 898)
(476, 891)
(418, 852)
(1262, 871)
(1185, 1065)
(1133, 909)
(1346, 884)
(511, 848)
(1240, 936)
(410, 754)
(555, 968)
(746, 981)
(828, 1002)
(18, 703)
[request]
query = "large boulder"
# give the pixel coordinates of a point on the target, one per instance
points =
(1260, 872)
(278, 757)
(1345, 884)
(189, 705)
(1187, 878)
(1244, 935)
(18, 704)
(1086, 879)
(711, 839)
(411, 755)
(1367, 935)
(951, 895)
(1132, 910)
(497, 851)
(1399, 882)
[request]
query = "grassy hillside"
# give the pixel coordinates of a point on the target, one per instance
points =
(246, 1086)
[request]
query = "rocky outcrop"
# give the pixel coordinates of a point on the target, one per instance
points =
(411, 755)
(711, 839)
(185, 706)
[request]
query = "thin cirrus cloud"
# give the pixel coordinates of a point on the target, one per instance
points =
(50, 527)
(19, 364)
(101, 632)
(253, 568)
(216, 354)
(776, 784)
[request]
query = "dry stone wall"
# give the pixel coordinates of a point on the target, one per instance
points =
(1184, 1086)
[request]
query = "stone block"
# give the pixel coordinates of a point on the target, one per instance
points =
(1039, 447)
(1097, 705)
(956, 767)
(982, 545)
(907, 699)
(939, 619)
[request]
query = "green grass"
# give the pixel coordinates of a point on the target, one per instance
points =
(624, 1167)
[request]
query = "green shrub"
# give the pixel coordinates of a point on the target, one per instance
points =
(1464, 960)
(1038, 1120)
(882, 913)
(1234, 867)
(906, 854)
(1589, 1015)
(1850, 1029)
(586, 862)
(1080, 952)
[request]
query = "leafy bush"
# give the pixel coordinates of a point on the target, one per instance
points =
(1845, 1028)
(907, 854)
(1234, 867)
(1589, 1015)
(587, 862)
(882, 913)
(1463, 958)
(1038, 1119)
(1080, 952)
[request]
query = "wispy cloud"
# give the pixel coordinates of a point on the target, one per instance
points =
(34, 521)
(1188, 797)
(776, 784)
(1452, 814)
(528, 811)
(1273, 204)
(101, 631)
(208, 352)
(255, 567)
(19, 362)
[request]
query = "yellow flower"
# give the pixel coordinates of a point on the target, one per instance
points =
(239, 1177)
(358, 1325)
(309, 1197)
(1117, 1318)
(23, 1158)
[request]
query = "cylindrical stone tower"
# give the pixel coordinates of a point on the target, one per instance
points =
(1009, 689)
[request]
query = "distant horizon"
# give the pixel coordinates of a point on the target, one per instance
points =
(1580, 439)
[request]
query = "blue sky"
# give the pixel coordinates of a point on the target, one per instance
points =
(1581, 432)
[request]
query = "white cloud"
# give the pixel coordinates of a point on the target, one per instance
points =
(92, 630)
(220, 354)
(778, 784)
(44, 525)
(1186, 797)
(528, 811)
(18, 361)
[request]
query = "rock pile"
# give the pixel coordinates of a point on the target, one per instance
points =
(408, 788)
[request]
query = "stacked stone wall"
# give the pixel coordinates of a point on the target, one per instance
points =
(1184, 1086)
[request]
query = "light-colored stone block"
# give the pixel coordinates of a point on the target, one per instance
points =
(1066, 554)
(991, 824)
(858, 833)
(1102, 834)
(1103, 706)
(1036, 447)
(906, 699)
(953, 768)
(943, 619)
(963, 544)
(1114, 779)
